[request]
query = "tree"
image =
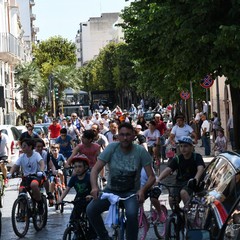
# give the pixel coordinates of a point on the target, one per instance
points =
(112, 69)
(53, 52)
(27, 80)
(184, 40)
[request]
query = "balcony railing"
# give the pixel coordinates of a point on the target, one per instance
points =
(11, 48)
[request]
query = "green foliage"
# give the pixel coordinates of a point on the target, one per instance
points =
(53, 52)
(112, 69)
(175, 42)
(28, 80)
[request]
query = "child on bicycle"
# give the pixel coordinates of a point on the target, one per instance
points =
(32, 166)
(58, 160)
(189, 167)
(81, 183)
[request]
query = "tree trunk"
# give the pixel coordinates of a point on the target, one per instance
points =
(235, 93)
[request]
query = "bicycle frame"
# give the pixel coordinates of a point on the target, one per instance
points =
(79, 227)
(119, 224)
(177, 221)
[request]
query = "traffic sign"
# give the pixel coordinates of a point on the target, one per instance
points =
(184, 95)
(207, 82)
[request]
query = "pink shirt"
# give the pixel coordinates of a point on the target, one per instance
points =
(91, 152)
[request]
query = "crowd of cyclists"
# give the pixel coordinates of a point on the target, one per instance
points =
(122, 148)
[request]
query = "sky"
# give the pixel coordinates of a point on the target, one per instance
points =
(62, 17)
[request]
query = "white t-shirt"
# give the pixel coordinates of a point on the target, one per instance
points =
(4, 141)
(151, 138)
(206, 125)
(179, 132)
(29, 165)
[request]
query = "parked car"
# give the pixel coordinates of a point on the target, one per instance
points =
(21, 128)
(218, 205)
(41, 128)
(148, 116)
(13, 135)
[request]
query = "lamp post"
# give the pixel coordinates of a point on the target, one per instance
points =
(218, 72)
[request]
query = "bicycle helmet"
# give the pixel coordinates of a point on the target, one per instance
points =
(80, 158)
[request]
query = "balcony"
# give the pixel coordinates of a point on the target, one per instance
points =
(33, 16)
(36, 29)
(32, 3)
(11, 50)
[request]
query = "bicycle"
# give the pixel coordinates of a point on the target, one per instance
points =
(159, 225)
(77, 228)
(119, 224)
(2, 189)
(24, 208)
(58, 190)
(177, 222)
(2, 186)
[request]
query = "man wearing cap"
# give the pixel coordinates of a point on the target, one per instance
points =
(189, 167)
(181, 129)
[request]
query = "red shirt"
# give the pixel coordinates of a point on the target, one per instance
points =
(54, 130)
(91, 152)
(161, 127)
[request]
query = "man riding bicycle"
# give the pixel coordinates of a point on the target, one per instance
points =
(189, 166)
(125, 161)
(32, 166)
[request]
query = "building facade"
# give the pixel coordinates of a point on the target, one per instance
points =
(15, 48)
(95, 34)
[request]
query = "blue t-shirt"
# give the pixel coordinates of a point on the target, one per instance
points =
(65, 145)
(57, 162)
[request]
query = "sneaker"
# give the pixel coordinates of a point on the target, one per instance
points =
(50, 199)
(40, 208)
(63, 186)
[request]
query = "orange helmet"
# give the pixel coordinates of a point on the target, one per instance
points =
(79, 158)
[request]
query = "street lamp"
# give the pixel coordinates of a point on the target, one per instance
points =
(218, 72)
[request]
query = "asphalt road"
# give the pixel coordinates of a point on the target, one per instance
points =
(56, 224)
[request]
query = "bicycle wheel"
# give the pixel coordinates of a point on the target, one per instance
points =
(143, 226)
(160, 226)
(0, 223)
(71, 233)
(1, 191)
(59, 189)
(57, 194)
(172, 230)
(40, 220)
(20, 216)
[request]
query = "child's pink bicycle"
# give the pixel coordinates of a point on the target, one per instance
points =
(158, 222)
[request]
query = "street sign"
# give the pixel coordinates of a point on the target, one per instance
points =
(184, 95)
(207, 82)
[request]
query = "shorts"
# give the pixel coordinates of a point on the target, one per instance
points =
(26, 181)
(182, 186)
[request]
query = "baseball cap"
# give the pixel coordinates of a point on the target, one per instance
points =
(139, 126)
(186, 139)
(157, 115)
